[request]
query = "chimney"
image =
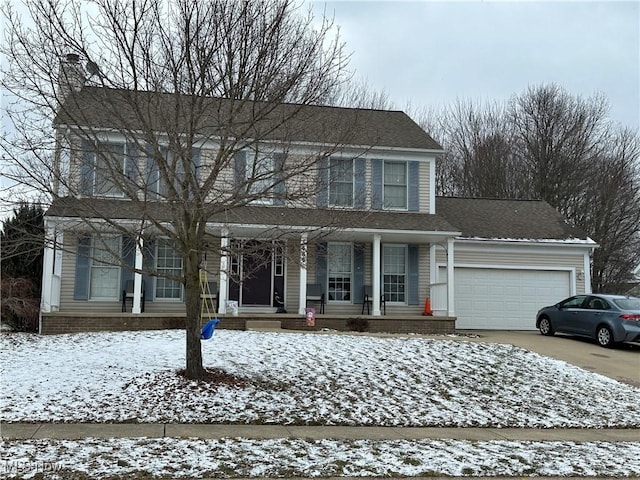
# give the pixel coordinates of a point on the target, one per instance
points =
(71, 76)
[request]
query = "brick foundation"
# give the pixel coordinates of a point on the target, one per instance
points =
(420, 325)
(57, 323)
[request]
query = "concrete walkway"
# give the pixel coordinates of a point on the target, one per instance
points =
(72, 431)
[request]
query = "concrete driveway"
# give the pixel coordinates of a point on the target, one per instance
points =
(622, 362)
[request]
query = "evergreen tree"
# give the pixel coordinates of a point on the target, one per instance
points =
(22, 242)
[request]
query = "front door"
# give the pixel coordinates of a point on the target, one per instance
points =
(251, 283)
(256, 275)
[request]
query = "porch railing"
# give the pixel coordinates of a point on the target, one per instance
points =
(438, 294)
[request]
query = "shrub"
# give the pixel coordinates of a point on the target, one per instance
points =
(358, 324)
(20, 304)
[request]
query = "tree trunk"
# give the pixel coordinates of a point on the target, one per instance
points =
(193, 322)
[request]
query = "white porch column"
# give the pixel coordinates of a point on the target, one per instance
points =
(47, 269)
(376, 276)
(586, 272)
(450, 279)
(136, 308)
(224, 277)
(302, 297)
(433, 267)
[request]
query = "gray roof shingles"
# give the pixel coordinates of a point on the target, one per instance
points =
(257, 215)
(474, 217)
(506, 219)
(135, 110)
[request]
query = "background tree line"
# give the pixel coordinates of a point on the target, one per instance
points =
(548, 144)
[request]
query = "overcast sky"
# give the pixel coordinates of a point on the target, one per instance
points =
(432, 52)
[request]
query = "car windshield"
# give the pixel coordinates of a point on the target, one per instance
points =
(631, 303)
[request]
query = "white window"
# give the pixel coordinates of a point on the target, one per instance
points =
(395, 185)
(109, 169)
(105, 268)
(339, 266)
(173, 168)
(394, 272)
(259, 172)
(341, 182)
(168, 262)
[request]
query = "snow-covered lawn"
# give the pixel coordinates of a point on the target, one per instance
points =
(296, 378)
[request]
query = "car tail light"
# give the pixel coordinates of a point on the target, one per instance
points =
(630, 317)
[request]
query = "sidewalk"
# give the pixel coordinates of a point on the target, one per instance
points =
(72, 431)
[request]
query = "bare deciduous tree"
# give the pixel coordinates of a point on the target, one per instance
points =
(548, 144)
(609, 211)
(167, 77)
(557, 135)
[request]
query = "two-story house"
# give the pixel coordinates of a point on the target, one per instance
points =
(371, 222)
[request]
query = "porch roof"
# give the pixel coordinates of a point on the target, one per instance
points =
(253, 219)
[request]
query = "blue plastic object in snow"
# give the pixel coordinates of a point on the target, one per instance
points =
(207, 331)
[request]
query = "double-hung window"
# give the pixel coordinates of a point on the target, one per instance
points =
(168, 263)
(339, 263)
(394, 272)
(260, 168)
(175, 173)
(341, 182)
(109, 169)
(395, 185)
(105, 268)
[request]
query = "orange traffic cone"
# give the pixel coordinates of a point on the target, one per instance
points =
(427, 308)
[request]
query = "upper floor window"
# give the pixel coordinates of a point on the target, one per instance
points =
(105, 168)
(172, 173)
(395, 185)
(259, 174)
(341, 182)
(340, 268)
(104, 281)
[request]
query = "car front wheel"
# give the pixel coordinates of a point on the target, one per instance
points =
(604, 336)
(545, 326)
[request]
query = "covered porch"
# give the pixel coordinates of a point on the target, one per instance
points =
(426, 238)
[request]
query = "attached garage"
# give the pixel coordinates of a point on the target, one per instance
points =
(512, 258)
(505, 298)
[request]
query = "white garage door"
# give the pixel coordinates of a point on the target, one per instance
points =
(505, 299)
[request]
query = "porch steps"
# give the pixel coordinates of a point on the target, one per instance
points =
(262, 325)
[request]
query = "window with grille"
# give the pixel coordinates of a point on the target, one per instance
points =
(341, 182)
(168, 262)
(105, 268)
(260, 170)
(109, 167)
(395, 185)
(394, 272)
(339, 266)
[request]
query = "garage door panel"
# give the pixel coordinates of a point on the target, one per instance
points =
(493, 298)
